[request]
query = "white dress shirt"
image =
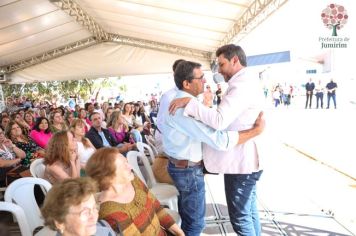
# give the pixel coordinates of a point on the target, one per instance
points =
(237, 111)
(183, 136)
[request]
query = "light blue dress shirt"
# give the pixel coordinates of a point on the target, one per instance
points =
(105, 141)
(183, 136)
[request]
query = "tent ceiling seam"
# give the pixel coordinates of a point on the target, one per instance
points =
(38, 32)
(158, 20)
(23, 21)
(179, 11)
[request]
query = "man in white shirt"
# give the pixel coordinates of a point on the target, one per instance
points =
(238, 110)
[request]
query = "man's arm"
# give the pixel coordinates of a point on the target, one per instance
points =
(257, 129)
(237, 101)
(219, 140)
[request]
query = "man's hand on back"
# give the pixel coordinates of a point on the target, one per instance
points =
(178, 103)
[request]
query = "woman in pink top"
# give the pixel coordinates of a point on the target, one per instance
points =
(41, 132)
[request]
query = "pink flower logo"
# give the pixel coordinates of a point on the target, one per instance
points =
(334, 17)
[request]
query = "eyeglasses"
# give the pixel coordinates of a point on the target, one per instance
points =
(201, 77)
(87, 212)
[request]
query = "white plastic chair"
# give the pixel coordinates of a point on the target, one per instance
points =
(142, 147)
(21, 192)
(19, 214)
(151, 142)
(165, 193)
(37, 168)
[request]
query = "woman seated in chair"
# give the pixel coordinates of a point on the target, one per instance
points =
(41, 132)
(119, 129)
(30, 119)
(70, 209)
(61, 159)
(32, 150)
(57, 121)
(125, 202)
(19, 118)
(85, 147)
(134, 128)
(10, 156)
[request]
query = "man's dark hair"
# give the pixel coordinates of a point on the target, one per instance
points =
(94, 113)
(175, 64)
(231, 50)
(184, 71)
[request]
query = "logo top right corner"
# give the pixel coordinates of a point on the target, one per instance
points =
(334, 17)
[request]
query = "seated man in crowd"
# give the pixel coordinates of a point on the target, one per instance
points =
(101, 137)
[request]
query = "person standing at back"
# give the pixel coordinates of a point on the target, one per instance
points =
(331, 87)
(309, 87)
(218, 94)
(319, 89)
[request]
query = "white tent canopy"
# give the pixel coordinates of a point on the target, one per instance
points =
(42, 40)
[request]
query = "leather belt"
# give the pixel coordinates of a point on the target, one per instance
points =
(183, 164)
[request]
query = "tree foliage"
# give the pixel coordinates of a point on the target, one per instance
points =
(54, 90)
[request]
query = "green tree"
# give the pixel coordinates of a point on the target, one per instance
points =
(53, 90)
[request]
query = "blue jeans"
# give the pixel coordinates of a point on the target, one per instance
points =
(319, 96)
(240, 191)
(333, 96)
(191, 200)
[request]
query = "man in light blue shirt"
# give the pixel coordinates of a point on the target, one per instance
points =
(182, 141)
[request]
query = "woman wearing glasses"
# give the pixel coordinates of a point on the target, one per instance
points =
(70, 209)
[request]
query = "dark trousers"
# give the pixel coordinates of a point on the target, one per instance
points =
(309, 99)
